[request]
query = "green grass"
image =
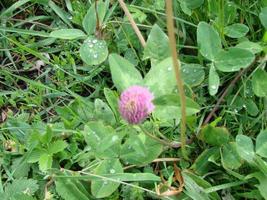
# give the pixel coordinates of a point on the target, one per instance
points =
(59, 113)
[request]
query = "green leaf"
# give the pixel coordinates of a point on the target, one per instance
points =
(245, 147)
(47, 137)
(103, 112)
(19, 186)
(103, 140)
(208, 40)
(104, 188)
(214, 81)
(60, 12)
(251, 107)
(263, 17)
(45, 162)
(259, 83)
(168, 108)
(140, 149)
(193, 4)
(230, 157)
(193, 190)
(67, 34)
(71, 189)
(94, 51)
(57, 146)
(214, 135)
(250, 46)
(202, 163)
(112, 99)
(233, 60)
(261, 144)
(236, 30)
(192, 74)
(123, 73)
(167, 82)
(157, 47)
(89, 21)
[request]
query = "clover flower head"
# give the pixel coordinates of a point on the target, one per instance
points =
(136, 104)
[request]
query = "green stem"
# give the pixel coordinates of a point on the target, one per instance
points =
(179, 81)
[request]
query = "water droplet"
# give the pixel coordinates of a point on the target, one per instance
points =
(193, 80)
(114, 138)
(244, 106)
(105, 182)
(112, 171)
(90, 45)
(194, 70)
(235, 110)
(95, 55)
(183, 70)
(169, 68)
(213, 87)
(94, 41)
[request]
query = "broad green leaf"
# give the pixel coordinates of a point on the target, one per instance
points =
(214, 135)
(236, 30)
(104, 188)
(263, 185)
(45, 162)
(71, 189)
(164, 72)
(123, 73)
(94, 51)
(208, 40)
(263, 17)
(103, 112)
(168, 108)
(157, 46)
(67, 34)
(233, 60)
(251, 107)
(193, 4)
(250, 46)
(47, 137)
(103, 140)
(112, 99)
(140, 149)
(22, 185)
(34, 155)
(245, 147)
(261, 144)
(57, 146)
(214, 81)
(230, 157)
(89, 21)
(192, 74)
(259, 83)
(202, 163)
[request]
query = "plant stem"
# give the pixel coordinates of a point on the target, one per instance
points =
(133, 24)
(176, 67)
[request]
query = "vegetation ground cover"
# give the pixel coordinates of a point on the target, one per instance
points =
(68, 132)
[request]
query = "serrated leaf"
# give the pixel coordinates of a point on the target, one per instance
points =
(23, 185)
(157, 47)
(261, 144)
(104, 188)
(94, 51)
(208, 40)
(57, 146)
(45, 162)
(236, 30)
(67, 34)
(123, 73)
(233, 60)
(259, 83)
